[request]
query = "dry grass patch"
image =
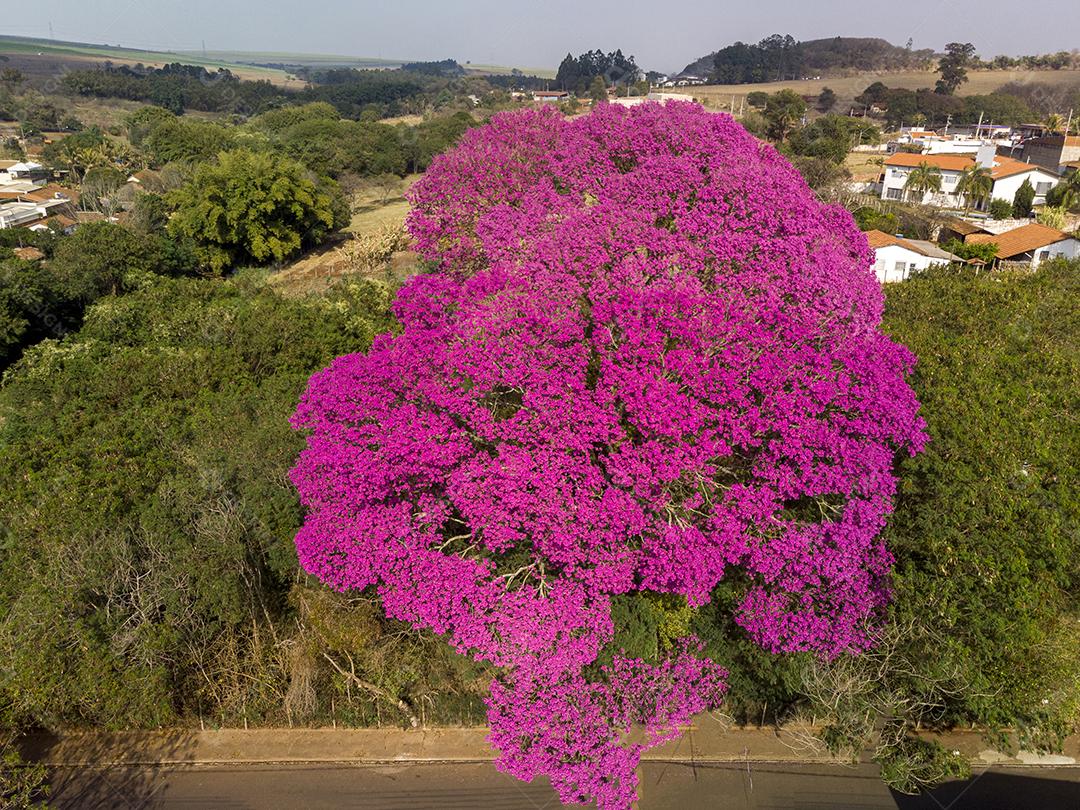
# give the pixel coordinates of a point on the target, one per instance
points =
(379, 209)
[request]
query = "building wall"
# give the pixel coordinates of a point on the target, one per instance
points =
(896, 177)
(1051, 151)
(1006, 187)
(888, 261)
(1067, 248)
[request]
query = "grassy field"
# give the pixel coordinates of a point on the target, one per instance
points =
(41, 57)
(27, 53)
(864, 166)
(285, 58)
(847, 87)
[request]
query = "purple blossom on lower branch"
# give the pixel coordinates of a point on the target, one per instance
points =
(648, 358)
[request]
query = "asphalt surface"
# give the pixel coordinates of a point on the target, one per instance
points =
(759, 786)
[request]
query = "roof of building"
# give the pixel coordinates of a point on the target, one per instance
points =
(51, 191)
(551, 93)
(1003, 166)
(1020, 240)
(7, 164)
(880, 239)
(945, 162)
(26, 166)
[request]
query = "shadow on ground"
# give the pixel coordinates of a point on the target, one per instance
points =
(999, 790)
(108, 770)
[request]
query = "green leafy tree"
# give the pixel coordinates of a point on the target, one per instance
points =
(953, 67)
(1023, 200)
(178, 139)
(141, 122)
(1000, 209)
(757, 99)
(32, 305)
(102, 258)
(12, 77)
(982, 624)
(250, 208)
(23, 785)
(831, 137)
(1052, 217)
(871, 219)
(99, 183)
(783, 111)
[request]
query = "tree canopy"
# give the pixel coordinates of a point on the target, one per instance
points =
(615, 386)
(250, 208)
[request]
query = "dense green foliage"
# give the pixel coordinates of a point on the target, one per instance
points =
(354, 93)
(832, 137)
(985, 530)
(903, 106)
(984, 251)
(1000, 209)
(252, 207)
(147, 571)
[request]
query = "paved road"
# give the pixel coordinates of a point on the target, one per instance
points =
(480, 787)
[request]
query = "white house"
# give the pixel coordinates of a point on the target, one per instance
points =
(895, 258)
(1031, 244)
(1007, 175)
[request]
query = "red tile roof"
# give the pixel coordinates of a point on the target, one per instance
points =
(1020, 240)
(1003, 166)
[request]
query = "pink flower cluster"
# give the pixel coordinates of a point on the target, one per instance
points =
(648, 358)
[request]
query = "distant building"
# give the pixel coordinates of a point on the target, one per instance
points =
(896, 258)
(27, 171)
(1031, 244)
(550, 96)
(15, 214)
(1051, 152)
(1007, 175)
(658, 96)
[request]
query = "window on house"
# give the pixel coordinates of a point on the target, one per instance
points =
(900, 267)
(1041, 189)
(894, 193)
(1044, 255)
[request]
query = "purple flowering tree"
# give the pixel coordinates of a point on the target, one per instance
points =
(648, 358)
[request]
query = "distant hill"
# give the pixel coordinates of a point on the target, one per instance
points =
(778, 58)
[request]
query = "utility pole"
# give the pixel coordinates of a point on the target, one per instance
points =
(978, 127)
(1068, 124)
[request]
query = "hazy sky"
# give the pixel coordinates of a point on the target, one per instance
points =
(662, 35)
